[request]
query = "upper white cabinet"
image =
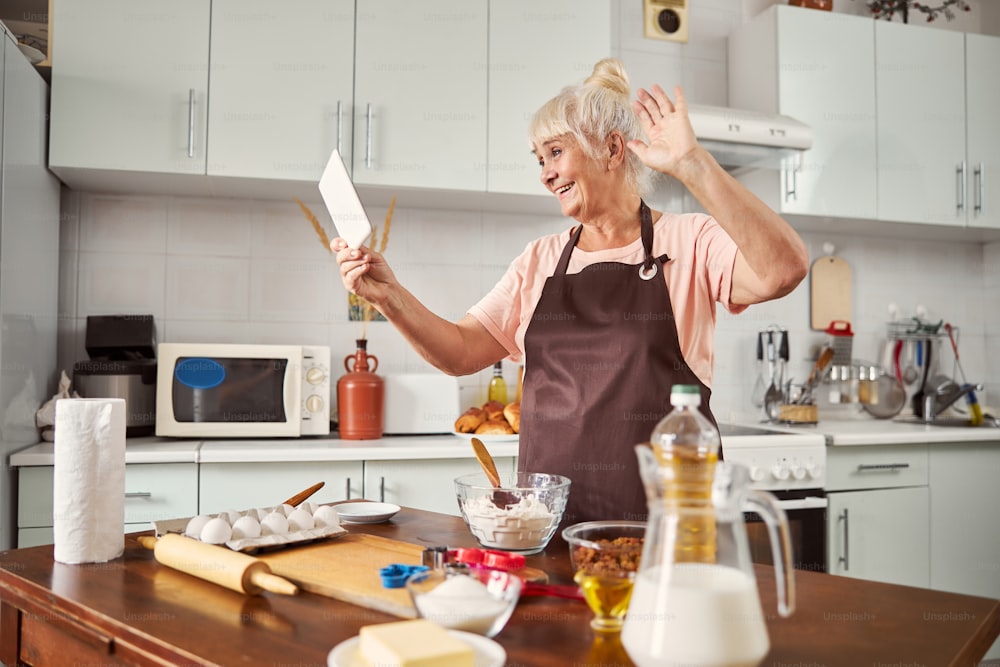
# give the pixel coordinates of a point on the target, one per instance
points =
(420, 94)
(982, 95)
(129, 86)
(281, 87)
(793, 61)
(920, 93)
(144, 92)
(519, 85)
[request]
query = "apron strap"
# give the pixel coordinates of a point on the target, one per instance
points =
(649, 266)
(567, 251)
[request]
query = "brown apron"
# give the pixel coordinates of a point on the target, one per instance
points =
(601, 354)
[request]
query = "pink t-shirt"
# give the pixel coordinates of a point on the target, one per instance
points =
(699, 275)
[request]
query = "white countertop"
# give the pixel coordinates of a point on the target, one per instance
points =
(857, 431)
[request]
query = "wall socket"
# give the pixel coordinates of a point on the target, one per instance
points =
(666, 20)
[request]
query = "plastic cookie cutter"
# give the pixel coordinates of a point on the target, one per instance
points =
(396, 574)
(488, 558)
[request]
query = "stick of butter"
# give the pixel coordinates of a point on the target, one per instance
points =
(416, 643)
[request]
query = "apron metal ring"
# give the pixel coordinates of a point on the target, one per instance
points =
(650, 274)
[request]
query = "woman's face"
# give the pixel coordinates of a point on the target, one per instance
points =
(572, 175)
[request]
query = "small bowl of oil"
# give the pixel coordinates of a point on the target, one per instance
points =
(605, 557)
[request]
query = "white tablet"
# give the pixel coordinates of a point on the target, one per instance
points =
(343, 203)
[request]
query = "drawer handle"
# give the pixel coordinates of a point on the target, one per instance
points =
(138, 494)
(347, 489)
(381, 489)
(190, 123)
(882, 466)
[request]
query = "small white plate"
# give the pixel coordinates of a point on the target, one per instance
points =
(488, 652)
(487, 439)
(366, 512)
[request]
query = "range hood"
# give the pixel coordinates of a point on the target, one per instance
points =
(744, 138)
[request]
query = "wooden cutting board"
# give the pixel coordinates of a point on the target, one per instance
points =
(347, 569)
(830, 292)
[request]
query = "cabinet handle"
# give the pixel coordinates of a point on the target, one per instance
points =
(138, 494)
(979, 174)
(847, 550)
(960, 173)
(191, 122)
(791, 193)
(347, 489)
(340, 127)
(381, 489)
(882, 466)
(368, 137)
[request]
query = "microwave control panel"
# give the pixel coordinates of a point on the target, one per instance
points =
(315, 390)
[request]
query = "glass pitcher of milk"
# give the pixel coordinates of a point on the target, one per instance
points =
(695, 599)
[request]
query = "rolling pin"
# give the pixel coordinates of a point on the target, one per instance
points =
(234, 570)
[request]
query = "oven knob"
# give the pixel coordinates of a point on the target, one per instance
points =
(780, 472)
(815, 471)
(315, 375)
(314, 403)
(799, 473)
(756, 473)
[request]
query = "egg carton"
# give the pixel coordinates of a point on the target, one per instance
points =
(293, 531)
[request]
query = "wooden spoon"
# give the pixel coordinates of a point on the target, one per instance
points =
(301, 496)
(486, 461)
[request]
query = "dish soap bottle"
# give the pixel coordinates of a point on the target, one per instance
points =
(498, 386)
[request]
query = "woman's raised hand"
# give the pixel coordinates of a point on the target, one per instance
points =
(668, 129)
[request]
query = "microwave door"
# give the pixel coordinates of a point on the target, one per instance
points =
(292, 392)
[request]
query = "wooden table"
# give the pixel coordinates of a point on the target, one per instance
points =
(136, 611)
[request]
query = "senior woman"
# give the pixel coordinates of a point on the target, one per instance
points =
(611, 313)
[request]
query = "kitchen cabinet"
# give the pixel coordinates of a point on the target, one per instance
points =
(145, 93)
(152, 492)
(518, 86)
(792, 61)
(424, 484)
(878, 525)
(982, 99)
(965, 534)
(420, 94)
(240, 486)
(129, 87)
(920, 94)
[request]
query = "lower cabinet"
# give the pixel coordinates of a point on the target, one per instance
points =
(153, 491)
(878, 524)
(240, 486)
(965, 533)
(880, 535)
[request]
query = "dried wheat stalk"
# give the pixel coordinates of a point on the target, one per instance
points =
(323, 238)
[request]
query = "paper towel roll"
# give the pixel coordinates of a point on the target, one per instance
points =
(88, 502)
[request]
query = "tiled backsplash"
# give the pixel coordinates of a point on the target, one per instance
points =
(254, 271)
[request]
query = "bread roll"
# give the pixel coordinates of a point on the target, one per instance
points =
(470, 420)
(494, 409)
(512, 413)
(495, 427)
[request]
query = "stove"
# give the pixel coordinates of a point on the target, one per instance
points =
(791, 465)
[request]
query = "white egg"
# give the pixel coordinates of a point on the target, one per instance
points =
(195, 525)
(300, 519)
(246, 526)
(274, 523)
(326, 515)
(216, 531)
(287, 509)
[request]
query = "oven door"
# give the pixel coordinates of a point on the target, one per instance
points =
(806, 513)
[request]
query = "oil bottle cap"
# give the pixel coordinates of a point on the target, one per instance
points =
(685, 394)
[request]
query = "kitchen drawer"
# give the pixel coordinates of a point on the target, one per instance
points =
(153, 491)
(876, 467)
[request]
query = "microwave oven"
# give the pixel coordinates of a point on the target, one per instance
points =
(247, 391)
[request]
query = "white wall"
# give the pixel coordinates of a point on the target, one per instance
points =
(241, 271)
